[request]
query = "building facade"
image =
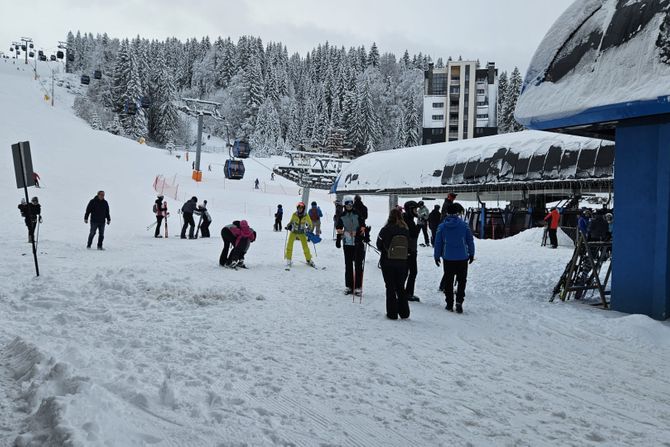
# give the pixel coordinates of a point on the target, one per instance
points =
(460, 102)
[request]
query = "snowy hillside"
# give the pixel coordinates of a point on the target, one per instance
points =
(152, 343)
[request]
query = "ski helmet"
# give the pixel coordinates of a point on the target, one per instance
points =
(348, 200)
(300, 205)
(34, 200)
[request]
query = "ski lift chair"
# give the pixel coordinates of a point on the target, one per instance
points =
(241, 149)
(234, 169)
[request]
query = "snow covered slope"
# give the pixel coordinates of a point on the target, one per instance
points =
(152, 343)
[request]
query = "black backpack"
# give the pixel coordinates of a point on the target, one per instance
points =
(155, 209)
(398, 249)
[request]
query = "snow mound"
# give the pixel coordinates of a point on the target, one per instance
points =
(534, 236)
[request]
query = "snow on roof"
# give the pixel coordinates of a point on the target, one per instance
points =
(492, 160)
(599, 62)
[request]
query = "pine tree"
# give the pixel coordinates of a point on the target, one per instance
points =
(95, 121)
(663, 40)
(373, 57)
(511, 96)
(267, 131)
(164, 116)
(254, 94)
(115, 126)
(503, 85)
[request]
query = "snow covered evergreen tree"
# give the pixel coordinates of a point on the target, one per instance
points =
(163, 115)
(503, 86)
(509, 124)
(268, 130)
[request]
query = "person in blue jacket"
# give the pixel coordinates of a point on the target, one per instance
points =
(455, 246)
(583, 223)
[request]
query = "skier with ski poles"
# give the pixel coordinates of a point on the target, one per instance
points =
(351, 233)
(160, 210)
(298, 226)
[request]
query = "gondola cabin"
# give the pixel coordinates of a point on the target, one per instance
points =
(31, 54)
(234, 169)
(241, 149)
(23, 48)
(43, 57)
(97, 74)
(145, 102)
(59, 54)
(85, 79)
(52, 58)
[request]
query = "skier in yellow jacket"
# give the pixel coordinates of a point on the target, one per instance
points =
(298, 226)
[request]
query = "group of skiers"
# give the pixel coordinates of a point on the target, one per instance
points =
(596, 226)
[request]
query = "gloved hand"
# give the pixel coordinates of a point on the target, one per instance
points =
(40, 219)
(109, 221)
(437, 262)
(338, 243)
(288, 228)
(472, 259)
(85, 221)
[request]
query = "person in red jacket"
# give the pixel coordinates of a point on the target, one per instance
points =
(552, 219)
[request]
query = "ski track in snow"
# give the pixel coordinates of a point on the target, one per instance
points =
(152, 343)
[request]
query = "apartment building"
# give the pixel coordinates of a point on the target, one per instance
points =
(460, 102)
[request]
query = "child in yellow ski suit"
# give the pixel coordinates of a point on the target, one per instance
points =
(298, 226)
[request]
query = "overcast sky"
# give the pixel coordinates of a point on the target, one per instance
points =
(507, 32)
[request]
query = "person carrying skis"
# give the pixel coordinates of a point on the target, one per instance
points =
(422, 221)
(434, 219)
(351, 230)
(393, 245)
(206, 219)
(315, 215)
(552, 220)
(98, 210)
(278, 217)
(455, 247)
(409, 216)
(31, 213)
(299, 224)
(187, 211)
(160, 210)
(244, 236)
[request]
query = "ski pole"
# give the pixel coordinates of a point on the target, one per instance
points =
(360, 301)
(286, 244)
(149, 227)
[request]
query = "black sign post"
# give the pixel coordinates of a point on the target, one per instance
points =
(23, 167)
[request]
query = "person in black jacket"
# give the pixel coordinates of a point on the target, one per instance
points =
(434, 219)
(409, 216)
(187, 211)
(451, 198)
(31, 213)
(98, 210)
(393, 244)
(361, 209)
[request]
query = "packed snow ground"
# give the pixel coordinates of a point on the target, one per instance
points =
(152, 343)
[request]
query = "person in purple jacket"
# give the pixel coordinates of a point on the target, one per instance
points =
(455, 248)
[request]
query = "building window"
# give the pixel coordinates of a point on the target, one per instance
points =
(483, 116)
(439, 84)
(438, 117)
(438, 105)
(437, 131)
(482, 103)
